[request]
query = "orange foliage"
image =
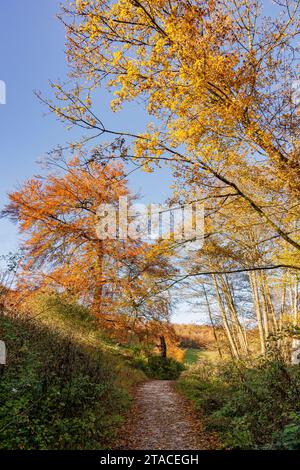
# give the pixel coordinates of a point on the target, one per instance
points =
(57, 215)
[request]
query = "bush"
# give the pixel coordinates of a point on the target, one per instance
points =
(161, 368)
(289, 437)
(249, 406)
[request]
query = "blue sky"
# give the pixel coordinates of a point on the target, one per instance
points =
(32, 53)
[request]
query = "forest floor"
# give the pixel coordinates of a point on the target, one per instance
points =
(162, 419)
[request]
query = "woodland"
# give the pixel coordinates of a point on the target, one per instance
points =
(87, 321)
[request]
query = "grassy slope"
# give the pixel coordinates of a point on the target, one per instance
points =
(64, 386)
(254, 405)
(250, 404)
(191, 356)
(194, 355)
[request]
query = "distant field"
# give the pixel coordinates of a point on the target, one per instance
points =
(193, 355)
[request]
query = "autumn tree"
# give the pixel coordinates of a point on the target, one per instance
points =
(235, 281)
(217, 77)
(57, 214)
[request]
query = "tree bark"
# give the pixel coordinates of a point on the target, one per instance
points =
(231, 340)
(163, 347)
(98, 289)
(240, 334)
(212, 323)
(255, 293)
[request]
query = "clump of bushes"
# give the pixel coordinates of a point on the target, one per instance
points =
(251, 407)
(160, 368)
(153, 365)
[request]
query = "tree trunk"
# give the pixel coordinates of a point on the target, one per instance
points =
(240, 334)
(294, 297)
(212, 323)
(253, 283)
(98, 289)
(264, 307)
(231, 340)
(270, 303)
(283, 303)
(163, 347)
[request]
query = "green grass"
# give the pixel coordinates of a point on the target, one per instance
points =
(192, 355)
(209, 355)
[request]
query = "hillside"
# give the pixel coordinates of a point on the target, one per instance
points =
(64, 386)
(197, 336)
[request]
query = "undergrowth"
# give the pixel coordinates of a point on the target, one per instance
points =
(251, 406)
(62, 388)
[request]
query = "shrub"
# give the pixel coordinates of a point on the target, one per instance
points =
(289, 437)
(161, 368)
(250, 406)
